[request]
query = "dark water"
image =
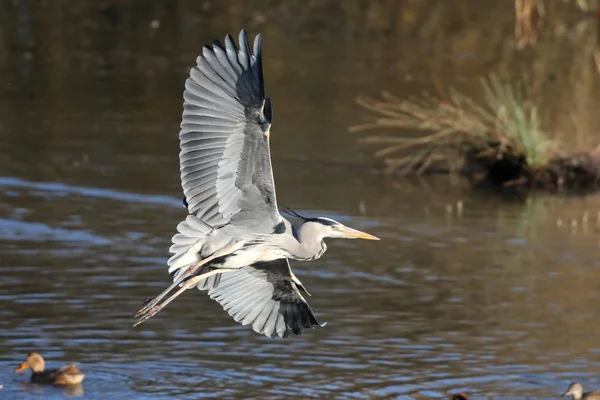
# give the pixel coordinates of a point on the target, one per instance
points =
(467, 291)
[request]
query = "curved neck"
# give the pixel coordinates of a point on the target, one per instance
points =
(309, 245)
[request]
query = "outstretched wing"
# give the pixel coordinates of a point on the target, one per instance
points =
(265, 295)
(225, 162)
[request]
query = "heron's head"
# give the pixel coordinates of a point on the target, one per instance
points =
(575, 390)
(329, 228)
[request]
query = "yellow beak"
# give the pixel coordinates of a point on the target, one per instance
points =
(353, 233)
(22, 367)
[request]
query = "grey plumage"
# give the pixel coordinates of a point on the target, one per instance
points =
(223, 135)
(234, 243)
(267, 296)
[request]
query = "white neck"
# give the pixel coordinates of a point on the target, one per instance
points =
(309, 245)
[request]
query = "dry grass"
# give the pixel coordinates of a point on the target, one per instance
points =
(505, 124)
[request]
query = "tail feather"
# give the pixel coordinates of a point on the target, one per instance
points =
(187, 244)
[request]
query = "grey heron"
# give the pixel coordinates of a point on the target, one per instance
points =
(234, 243)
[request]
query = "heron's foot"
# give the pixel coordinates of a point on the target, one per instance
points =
(146, 315)
(186, 277)
(151, 307)
(148, 304)
(152, 302)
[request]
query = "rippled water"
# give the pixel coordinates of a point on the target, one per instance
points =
(490, 301)
(467, 291)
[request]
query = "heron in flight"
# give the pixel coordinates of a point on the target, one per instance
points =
(234, 243)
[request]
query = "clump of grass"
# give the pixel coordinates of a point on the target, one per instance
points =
(518, 120)
(500, 142)
(505, 127)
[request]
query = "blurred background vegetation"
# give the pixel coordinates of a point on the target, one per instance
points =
(506, 138)
(125, 61)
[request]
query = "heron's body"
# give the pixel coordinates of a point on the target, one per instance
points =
(249, 250)
(234, 243)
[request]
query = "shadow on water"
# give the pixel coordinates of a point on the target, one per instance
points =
(466, 291)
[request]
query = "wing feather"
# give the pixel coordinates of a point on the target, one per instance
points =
(210, 65)
(264, 295)
(225, 161)
(206, 173)
(281, 328)
(258, 325)
(225, 98)
(224, 63)
(205, 145)
(231, 51)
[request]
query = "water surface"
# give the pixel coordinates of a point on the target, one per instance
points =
(467, 291)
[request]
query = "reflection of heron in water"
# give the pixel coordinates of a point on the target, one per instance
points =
(234, 243)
